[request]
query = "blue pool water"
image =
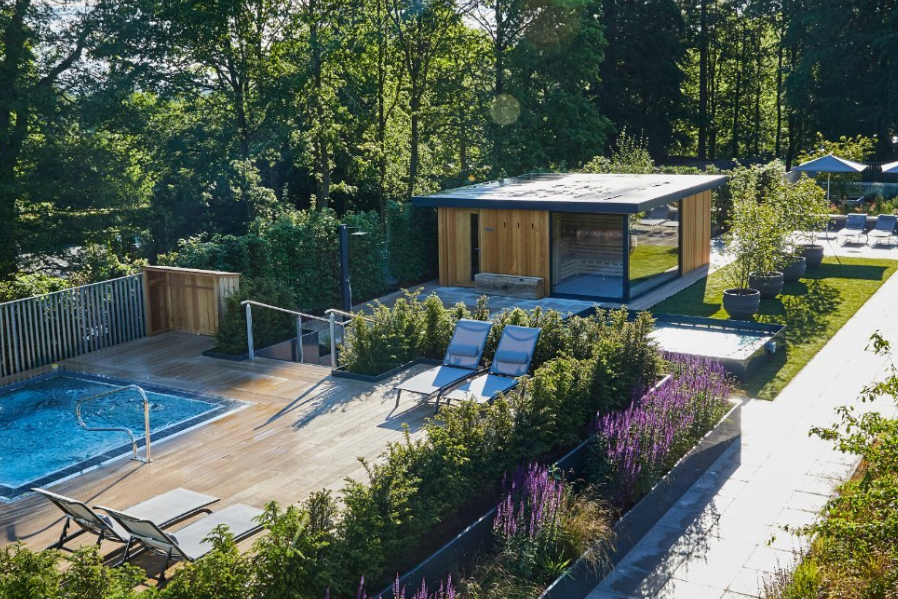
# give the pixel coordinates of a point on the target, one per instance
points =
(41, 441)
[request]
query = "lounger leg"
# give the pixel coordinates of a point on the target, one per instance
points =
(126, 553)
(165, 567)
(65, 537)
(62, 539)
(398, 395)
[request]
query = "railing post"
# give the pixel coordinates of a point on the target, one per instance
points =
(333, 325)
(299, 350)
(249, 331)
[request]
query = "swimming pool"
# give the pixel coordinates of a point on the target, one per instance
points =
(41, 441)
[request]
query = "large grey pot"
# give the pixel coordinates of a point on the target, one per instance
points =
(769, 284)
(741, 304)
(796, 270)
(813, 254)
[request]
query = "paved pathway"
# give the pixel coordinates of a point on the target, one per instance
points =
(725, 533)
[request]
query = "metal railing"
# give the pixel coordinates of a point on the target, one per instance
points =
(146, 420)
(44, 329)
(248, 304)
(340, 326)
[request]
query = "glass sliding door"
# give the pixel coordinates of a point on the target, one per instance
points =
(588, 255)
(654, 248)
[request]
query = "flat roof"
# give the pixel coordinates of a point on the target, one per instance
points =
(574, 192)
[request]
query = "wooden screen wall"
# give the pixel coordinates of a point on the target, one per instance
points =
(183, 299)
(512, 242)
(695, 225)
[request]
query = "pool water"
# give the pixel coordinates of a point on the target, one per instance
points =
(41, 440)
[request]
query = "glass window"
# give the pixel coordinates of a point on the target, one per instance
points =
(588, 255)
(654, 248)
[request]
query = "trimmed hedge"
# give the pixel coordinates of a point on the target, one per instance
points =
(300, 250)
(412, 235)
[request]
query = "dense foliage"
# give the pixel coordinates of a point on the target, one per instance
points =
(770, 219)
(137, 123)
(853, 551)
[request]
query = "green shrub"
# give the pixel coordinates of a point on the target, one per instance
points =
(388, 337)
(301, 250)
(412, 235)
(269, 326)
(224, 573)
(26, 574)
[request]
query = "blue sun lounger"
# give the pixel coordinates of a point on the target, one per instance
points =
(460, 362)
(512, 361)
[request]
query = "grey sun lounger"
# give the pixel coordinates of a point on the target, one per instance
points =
(512, 361)
(188, 543)
(460, 362)
(656, 217)
(167, 509)
(855, 228)
(884, 229)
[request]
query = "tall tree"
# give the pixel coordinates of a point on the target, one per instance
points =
(422, 30)
(642, 74)
(42, 43)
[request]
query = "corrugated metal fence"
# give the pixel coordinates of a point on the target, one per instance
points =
(40, 330)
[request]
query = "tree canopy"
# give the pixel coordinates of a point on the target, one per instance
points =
(132, 124)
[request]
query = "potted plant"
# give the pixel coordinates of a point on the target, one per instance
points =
(740, 300)
(770, 234)
(807, 212)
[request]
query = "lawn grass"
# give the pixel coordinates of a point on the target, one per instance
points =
(812, 309)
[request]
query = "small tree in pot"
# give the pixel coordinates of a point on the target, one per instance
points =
(741, 300)
(807, 212)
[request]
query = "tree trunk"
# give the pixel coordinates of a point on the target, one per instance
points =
(778, 141)
(703, 81)
(322, 151)
(13, 129)
(415, 106)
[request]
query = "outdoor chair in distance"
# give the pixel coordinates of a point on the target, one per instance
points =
(167, 509)
(512, 361)
(855, 227)
(460, 362)
(884, 229)
(656, 217)
(188, 543)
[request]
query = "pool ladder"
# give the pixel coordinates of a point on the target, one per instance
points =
(146, 420)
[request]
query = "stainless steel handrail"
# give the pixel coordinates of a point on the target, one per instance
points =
(350, 314)
(248, 304)
(285, 310)
(146, 420)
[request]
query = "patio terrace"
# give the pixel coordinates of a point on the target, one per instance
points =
(303, 431)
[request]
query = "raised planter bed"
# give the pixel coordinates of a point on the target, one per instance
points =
(580, 579)
(376, 378)
(460, 551)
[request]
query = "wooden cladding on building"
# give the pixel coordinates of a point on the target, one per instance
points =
(695, 231)
(184, 299)
(508, 242)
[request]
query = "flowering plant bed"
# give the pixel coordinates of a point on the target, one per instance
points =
(550, 516)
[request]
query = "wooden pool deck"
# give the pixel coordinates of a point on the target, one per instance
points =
(303, 430)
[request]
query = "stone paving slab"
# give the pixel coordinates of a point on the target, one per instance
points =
(727, 532)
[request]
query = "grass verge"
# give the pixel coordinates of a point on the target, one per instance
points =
(812, 309)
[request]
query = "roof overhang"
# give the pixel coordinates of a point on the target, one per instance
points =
(575, 192)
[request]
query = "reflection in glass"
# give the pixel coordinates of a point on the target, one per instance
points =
(588, 255)
(654, 248)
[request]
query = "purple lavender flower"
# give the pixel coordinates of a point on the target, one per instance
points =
(642, 441)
